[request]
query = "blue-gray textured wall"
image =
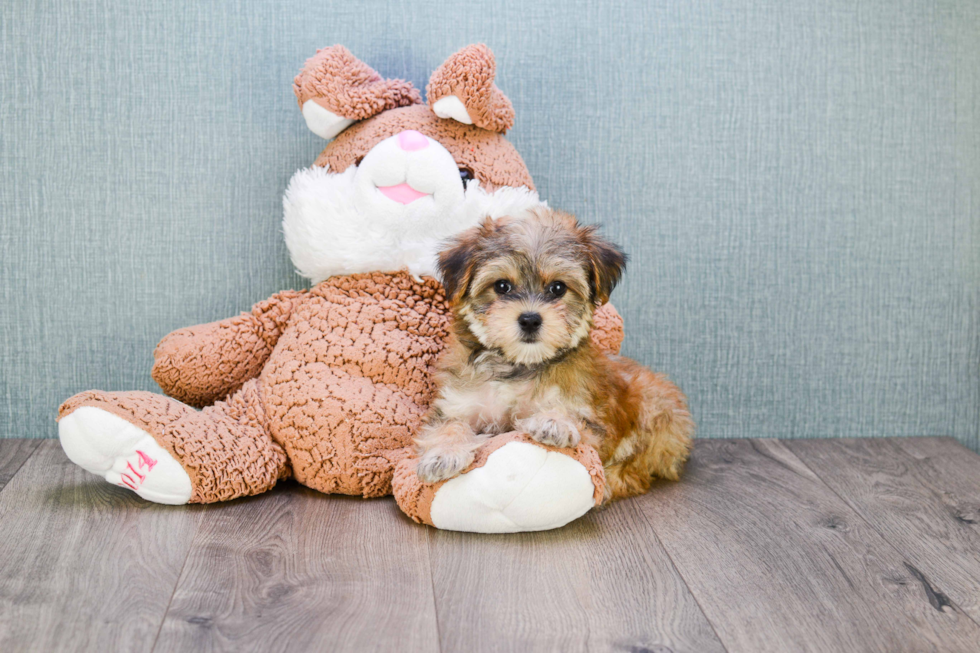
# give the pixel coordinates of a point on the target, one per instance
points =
(797, 181)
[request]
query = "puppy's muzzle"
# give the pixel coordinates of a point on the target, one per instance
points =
(530, 324)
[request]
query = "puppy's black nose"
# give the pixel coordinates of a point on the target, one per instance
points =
(530, 322)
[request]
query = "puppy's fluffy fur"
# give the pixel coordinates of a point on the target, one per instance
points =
(523, 292)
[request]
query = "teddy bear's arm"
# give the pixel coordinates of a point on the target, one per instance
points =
(607, 331)
(202, 364)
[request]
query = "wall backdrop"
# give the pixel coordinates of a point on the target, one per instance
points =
(797, 182)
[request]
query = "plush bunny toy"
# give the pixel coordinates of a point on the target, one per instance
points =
(328, 386)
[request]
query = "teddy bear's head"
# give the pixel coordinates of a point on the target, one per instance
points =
(399, 176)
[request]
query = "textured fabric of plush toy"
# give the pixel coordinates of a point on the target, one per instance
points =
(225, 448)
(349, 383)
(202, 364)
(339, 82)
(468, 75)
(607, 331)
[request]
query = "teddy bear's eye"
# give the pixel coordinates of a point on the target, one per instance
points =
(557, 288)
(466, 175)
(502, 287)
(357, 161)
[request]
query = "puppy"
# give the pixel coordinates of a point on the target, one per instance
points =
(523, 293)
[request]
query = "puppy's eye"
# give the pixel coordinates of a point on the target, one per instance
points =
(502, 287)
(557, 288)
(466, 176)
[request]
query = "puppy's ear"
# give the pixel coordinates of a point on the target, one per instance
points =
(459, 260)
(606, 262)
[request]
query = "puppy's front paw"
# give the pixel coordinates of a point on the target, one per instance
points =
(435, 466)
(551, 430)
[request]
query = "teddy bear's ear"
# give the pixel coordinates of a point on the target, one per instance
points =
(335, 89)
(462, 88)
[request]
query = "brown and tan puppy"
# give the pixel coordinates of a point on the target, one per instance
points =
(523, 293)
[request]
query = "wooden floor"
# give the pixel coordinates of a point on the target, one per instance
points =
(817, 545)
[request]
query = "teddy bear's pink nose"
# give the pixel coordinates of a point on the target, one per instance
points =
(411, 140)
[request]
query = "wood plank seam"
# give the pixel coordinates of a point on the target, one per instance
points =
(20, 466)
(946, 438)
(432, 584)
(926, 471)
(37, 443)
(86, 564)
(603, 582)
(173, 592)
(673, 563)
(276, 557)
(711, 522)
(935, 597)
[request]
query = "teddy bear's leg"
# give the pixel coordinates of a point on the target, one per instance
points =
(515, 484)
(167, 452)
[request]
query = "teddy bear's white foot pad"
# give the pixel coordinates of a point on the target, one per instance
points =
(123, 454)
(522, 487)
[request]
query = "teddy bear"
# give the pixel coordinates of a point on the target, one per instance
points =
(329, 385)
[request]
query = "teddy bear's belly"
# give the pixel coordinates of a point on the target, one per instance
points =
(349, 381)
